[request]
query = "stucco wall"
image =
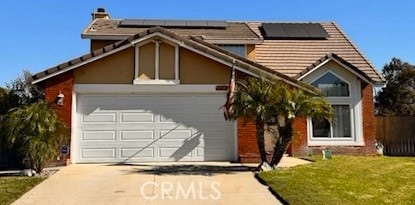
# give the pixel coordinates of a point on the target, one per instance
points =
(117, 68)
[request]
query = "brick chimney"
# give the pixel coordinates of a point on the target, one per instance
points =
(100, 14)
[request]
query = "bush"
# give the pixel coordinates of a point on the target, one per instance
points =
(36, 132)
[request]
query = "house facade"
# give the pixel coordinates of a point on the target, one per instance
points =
(152, 90)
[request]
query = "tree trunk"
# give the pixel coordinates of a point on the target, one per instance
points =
(281, 146)
(261, 142)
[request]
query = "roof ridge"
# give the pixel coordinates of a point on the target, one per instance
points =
(357, 50)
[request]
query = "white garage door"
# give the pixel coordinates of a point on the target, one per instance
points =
(137, 128)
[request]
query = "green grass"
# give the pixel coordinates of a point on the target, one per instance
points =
(11, 188)
(347, 180)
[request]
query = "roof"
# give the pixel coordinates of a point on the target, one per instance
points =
(291, 57)
(333, 56)
(110, 28)
(190, 41)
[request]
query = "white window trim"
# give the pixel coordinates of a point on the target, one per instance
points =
(156, 80)
(344, 80)
(354, 102)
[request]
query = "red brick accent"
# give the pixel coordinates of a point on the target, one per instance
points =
(61, 83)
(299, 145)
(247, 142)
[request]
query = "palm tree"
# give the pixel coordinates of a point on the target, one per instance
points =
(273, 103)
(293, 104)
(36, 131)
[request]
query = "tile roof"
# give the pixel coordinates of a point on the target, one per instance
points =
(291, 57)
(191, 41)
(235, 30)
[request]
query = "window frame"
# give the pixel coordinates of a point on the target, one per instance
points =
(353, 101)
(244, 48)
(344, 80)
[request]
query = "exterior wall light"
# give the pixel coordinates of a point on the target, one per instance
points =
(59, 98)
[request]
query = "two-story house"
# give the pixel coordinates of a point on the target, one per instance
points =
(151, 90)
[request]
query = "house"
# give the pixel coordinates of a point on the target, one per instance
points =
(151, 90)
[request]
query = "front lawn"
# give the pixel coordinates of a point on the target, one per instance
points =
(11, 188)
(347, 180)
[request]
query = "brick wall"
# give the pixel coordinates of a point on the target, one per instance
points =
(299, 145)
(61, 83)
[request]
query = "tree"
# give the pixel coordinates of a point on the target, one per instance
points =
(398, 97)
(273, 103)
(23, 88)
(36, 131)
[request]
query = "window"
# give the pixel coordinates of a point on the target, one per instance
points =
(332, 85)
(340, 128)
(235, 48)
(342, 91)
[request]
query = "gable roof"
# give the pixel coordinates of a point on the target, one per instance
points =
(335, 57)
(291, 57)
(190, 42)
(109, 28)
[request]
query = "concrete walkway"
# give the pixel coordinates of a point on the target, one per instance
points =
(161, 183)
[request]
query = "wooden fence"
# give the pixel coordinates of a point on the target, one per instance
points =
(397, 135)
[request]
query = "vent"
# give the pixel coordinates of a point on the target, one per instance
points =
(294, 31)
(172, 23)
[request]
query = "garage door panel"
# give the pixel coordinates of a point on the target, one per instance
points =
(212, 153)
(100, 117)
(99, 153)
(174, 153)
(137, 128)
(128, 135)
(175, 134)
(98, 135)
(136, 117)
(137, 152)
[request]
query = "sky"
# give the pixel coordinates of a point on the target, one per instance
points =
(36, 35)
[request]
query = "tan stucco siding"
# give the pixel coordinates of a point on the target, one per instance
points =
(96, 44)
(117, 68)
(197, 69)
(166, 61)
(250, 52)
(147, 60)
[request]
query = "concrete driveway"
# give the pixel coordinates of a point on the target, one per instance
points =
(162, 183)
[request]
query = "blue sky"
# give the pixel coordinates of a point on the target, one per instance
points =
(40, 34)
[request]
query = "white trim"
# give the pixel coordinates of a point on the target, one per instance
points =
(136, 61)
(315, 68)
(230, 64)
(157, 61)
(73, 154)
(354, 102)
(126, 88)
(82, 63)
(236, 143)
(138, 81)
(338, 76)
(352, 71)
(176, 61)
(341, 64)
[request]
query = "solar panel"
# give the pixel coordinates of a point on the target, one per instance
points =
(294, 31)
(274, 30)
(131, 22)
(173, 23)
(153, 22)
(315, 30)
(196, 23)
(218, 24)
